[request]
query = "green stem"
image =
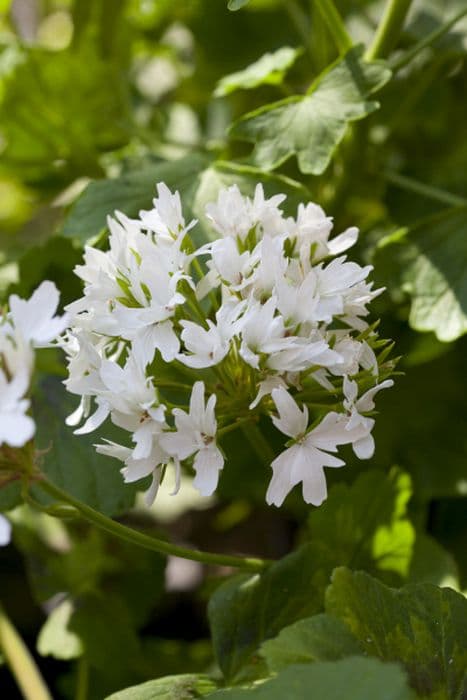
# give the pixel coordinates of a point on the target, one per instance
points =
(299, 20)
(259, 443)
(427, 41)
(82, 679)
(148, 542)
(407, 183)
(21, 663)
(389, 29)
(335, 24)
(238, 423)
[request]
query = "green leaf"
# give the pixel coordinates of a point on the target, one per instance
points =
(247, 610)
(270, 69)
(235, 5)
(312, 126)
(194, 177)
(429, 263)
(353, 679)
(55, 639)
(365, 525)
(71, 461)
(421, 626)
(318, 638)
(131, 192)
(182, 687)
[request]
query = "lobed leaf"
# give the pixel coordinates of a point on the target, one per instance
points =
(312, 126)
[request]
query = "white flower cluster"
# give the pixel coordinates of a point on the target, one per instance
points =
(267, 319)
(27, 325)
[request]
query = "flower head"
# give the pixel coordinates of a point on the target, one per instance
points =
(268, 321)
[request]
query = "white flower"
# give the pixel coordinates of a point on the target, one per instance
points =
(208, 347)
(304, 461)
(5, 531)
(34, 318)
(196, 435)
(136, 469)
(364, 444)
(16, 428)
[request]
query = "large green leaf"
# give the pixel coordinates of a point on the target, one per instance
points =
(195, 177)
(270, 69)
(421, 626)
(429, 263)
(312, 126)
(353, 679)
(70, 461)
(365, 525)
(183, 687)
(317, 638)
(247, 610)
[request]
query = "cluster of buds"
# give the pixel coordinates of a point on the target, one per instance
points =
(179, 344)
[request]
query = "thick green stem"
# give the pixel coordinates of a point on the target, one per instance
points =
(389, 29)
(21, 663)
(427, 41)
(335, 24)
(148, 542)
(407, 183)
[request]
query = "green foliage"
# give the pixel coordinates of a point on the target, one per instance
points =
(422, 626)
(428, 262)
(311, 127)
(366, 525)
(354, 679)
(53, 131)
(246, 610)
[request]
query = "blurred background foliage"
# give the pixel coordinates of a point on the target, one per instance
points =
(99, 100)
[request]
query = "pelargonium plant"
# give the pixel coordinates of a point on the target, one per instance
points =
(180, 344)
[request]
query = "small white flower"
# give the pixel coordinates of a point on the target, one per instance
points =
(196, 435)
(363, 444)
(34, 318)
(304, 461)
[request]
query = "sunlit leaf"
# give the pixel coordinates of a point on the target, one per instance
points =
(429, 263)
(311, 126)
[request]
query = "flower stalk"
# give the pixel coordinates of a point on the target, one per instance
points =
(389, 29)
(335, 24)
(148, 541)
